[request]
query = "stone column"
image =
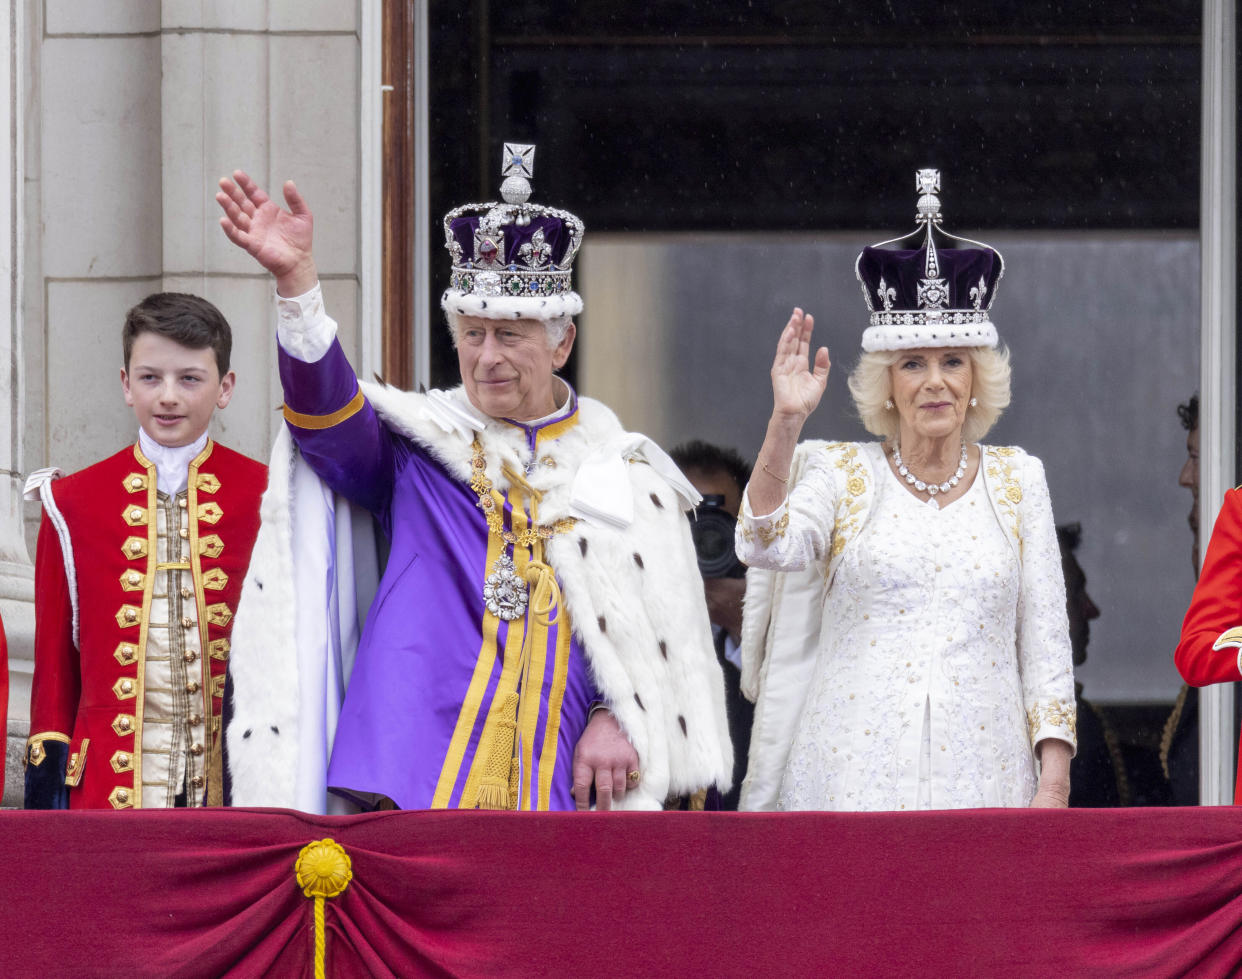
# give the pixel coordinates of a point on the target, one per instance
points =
(16, 572)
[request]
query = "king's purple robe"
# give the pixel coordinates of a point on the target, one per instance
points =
(421, 718)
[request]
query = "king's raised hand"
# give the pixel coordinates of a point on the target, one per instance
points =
(278, 239)
(797, 382)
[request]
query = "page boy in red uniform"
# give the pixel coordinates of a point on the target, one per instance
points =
(138, 571)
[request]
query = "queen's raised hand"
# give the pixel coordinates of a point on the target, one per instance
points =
(797, 383)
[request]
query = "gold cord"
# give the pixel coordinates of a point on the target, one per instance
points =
(323, 870)
(499, 787)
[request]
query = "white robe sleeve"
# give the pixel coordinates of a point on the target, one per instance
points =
(781, 621)
(798, 534)
(1044, 655)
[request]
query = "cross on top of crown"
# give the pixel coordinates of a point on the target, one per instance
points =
(518, 160)
(517, 166)
(927, 183)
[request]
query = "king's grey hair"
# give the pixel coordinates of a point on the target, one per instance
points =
(556, 328)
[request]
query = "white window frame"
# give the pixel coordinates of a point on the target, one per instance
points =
(1217, 364)
(371, 196)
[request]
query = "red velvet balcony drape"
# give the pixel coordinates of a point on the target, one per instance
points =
(1006, 892)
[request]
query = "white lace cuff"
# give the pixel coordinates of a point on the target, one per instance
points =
(304, 330)
(749, 515)
(766, 530)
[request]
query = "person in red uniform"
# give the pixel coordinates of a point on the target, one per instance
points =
(1210, 649)
(138, 572)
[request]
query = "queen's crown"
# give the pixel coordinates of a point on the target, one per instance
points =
(928, 296)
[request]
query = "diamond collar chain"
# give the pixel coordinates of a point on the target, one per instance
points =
(923, 485)
(482, 487)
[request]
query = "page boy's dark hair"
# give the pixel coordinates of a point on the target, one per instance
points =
(188, 320)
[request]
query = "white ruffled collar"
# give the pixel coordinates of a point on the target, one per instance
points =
(172, 463)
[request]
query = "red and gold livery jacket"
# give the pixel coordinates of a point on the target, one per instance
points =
(1210, 648)
(95, 572)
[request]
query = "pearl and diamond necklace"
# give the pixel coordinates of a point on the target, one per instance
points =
(922, 485)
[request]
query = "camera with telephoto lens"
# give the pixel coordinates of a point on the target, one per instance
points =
(711, 526)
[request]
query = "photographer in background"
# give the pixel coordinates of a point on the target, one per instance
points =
(1179, 745)
(721, 476)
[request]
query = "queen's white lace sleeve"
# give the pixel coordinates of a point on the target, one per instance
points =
(799, 532)
(1044, 655)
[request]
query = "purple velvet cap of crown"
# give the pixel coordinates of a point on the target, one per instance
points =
(555, 235)
(903, 269)
(908, 308)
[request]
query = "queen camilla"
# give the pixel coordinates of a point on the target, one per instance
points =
(906, 639)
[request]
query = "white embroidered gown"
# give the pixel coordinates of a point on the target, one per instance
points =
(933, 648)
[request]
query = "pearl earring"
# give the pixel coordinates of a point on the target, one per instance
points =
(888, 405)
(974, 402)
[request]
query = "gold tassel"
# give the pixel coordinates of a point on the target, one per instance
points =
(515, 784)
(495, 786)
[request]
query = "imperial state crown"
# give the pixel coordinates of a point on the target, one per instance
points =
(512, 259)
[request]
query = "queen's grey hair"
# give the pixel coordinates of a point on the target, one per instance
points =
(871, 385)
(556, 328)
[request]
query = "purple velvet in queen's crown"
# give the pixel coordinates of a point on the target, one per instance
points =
(555, 236)
(902, 270)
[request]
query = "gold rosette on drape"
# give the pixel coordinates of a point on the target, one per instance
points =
(323, 869)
